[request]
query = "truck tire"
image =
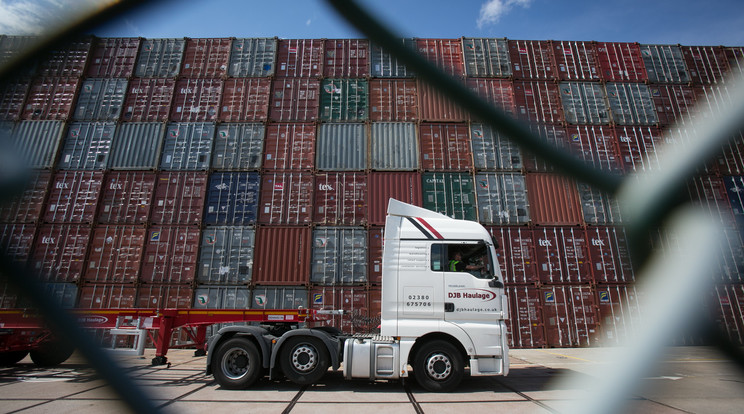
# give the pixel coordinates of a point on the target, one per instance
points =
(438, 366)
(11, 357)
(237, 364)
(51, 353)
(304, 359)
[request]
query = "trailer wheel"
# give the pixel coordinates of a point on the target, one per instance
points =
(237, 364)
(304, 359)
(11, 357)
(438, 366)
(51, 353)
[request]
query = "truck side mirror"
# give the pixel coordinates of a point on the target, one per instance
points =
(494, 283)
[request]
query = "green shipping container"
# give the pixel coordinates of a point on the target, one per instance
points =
(344, 100)
(452, 194)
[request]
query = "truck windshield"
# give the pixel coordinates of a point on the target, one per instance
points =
(472, 258)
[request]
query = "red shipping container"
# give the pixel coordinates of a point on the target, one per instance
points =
(533, 60)
(405, 187)
(621, 62)
(554, 200)
(609, 255)
(69, 60)
(164, 296)
(12, 96)
(576, 60)
(170, 254)
(538, 101)
(562, 255)
(282, 256)
(498, 92)
(393, 100)
(570, 314)
(179, 198)
(107, 296)
(517, 254)
(639, 148)
(196, 100)
(735, 57)
(289, 147)
(731, 160)
(710, 193)
(245, 99)
(295, 100)
(354, 301)
(596, 145)
(299, 58)
(73, 197)
(340, 199)
(16, 241)
(706, 64)
(115, 254)
(205, 58)
(127, 197)
(433, 106)
(445, 147)
(148, 100)
(526, 329)
(375, 306)
(556, 135)
(346, 58)
(672, 102)
(27, 206)
(728, 309)
(444, 53)
(375, 242)
(113, 57)
(50, 99)
(286, 198)
(59, 252)
(619, 313)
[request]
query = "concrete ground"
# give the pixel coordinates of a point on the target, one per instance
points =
(687, 380)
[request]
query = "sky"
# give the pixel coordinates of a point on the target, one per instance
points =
(687, 22)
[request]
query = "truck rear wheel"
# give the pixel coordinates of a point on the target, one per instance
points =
(237, 364)
(11, 357)
(52, 353)
(304, 359)
(438, 366)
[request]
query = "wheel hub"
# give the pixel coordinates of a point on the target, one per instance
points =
(304, 358)
(439, 366)
(235, 363)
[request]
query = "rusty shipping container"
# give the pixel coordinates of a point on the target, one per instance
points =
(491, 151)
(598, 207)
(179, 198)
(640, 148)
(555, 135)
(187, 146)
(375, 238)
(50, 99)
(562, 255)
(584, 103)
(115, 254)
(735, 190)
(226, 255)
(517, 254)
(339, 256)
(232, 198)
(664, 64)
(486, 57)
(344, 100)
(286, 198)
(672, 102)
(346, 58)
(735, 58)
(148, 100)
(12, 96)
(289, 146)
(631, 104)
(538, 101)
(159, 58)
(502, 198)
(609, 255)
(113, 57)
(709, 192)
(108, 296)
(353, 301)
(533, 60)
(58, 252)
(299, 58)
(238, 146)
(100, 100)
(393, 100)
(526, 326)
(596, 145)
(164, 297)
(222, 297)
(445, 147)
(282, 256)
(137, 146)
(402, 186)
(621, 62)
(16, 241)
(620, 313)
(126, 197)
(731, 264)
(252, 57)
(295, 99)
(26, 206)
(730, 161)
(245, 99)
(170, 254)
(205, 58)
(553, 200)
(342, 147)
(385, 65)
(394, 146)
(446, 54)
(451, 194)
(727, 309)
(340, 199)
(196, 100)
(69, 59)
(73, 197)
(576, 60)
(570, 314)
(87, 146)
(498, 92)
(435, 107)
(706, 64)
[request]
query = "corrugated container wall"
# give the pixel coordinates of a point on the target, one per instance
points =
(113, 57)
(570, 316)
(344, 100)
(340, 199)
(533, 60)
(598, 207)
(16, 241)
(619, 313)
(196, 100)
(100, 100)
(596, 145)
(279, 298)
(50, 99)
(445, 147)
(87, 146)
(664, 64)
(252, 57)
(555, 135)
(12, 46)
(73, 197)
(159, 58)
(170, 254)
(375, 240)
(26, 206)
(538, 101)
(443, 53)
(299, 58)
(727, 308)
(451, 194)
(735, 191)
(631, 104)
(341, 147)
(69, 60)
(126, 197)
(226, 255)
(404, 186)
(286, 198)
(105, 296)
(282, 256)
(486, 57)
(707, 64)
(12, 97)
(502, 198)
(346, 58)
(232, 198)
(562, 255)
(205, 58)
(672, 102)
(517, 254)
(491, 151)
(179, 198)
(357, 317)
(499, 92)
(137, 146)
(245, 99)
(394, 146)
(289, 147)
(188, 146)
(553, 200)
(576, 60)
(621, 62)
(295, 99)
(435, 107)
(222, 297)
(339, 256)
(164, 297)
(385, 65)
(115, 254)
(709, 192)
(59, 252)
(148, 100)
(584, 103)
(393, 100)
(238, 146)
(639, 147)
(609, 255)
(526, 329)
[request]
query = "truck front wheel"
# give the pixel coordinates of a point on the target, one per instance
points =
(51, 353)
(438, 366)
(237, 364)
(11, 357)
(304, 360)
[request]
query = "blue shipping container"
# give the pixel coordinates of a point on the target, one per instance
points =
(232, 198)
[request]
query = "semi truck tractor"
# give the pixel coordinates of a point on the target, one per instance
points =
(443, 312)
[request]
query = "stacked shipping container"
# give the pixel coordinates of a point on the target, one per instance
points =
(236, 173)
